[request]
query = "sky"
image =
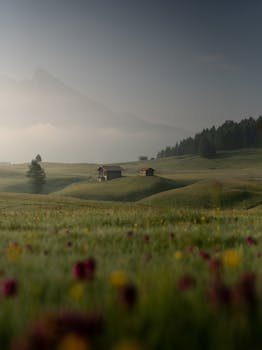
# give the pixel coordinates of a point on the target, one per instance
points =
(188, 64)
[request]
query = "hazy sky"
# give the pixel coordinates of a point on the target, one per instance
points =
(187, 63)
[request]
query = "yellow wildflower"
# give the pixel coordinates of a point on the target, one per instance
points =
(231, 257)
(72, 341)
(203, 219)
(135, 225)
(128, 345)
(76, 291)
(14, 252)
(117, 278)
(178, 255)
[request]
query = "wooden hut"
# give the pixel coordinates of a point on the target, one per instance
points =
(147, 172)
(109, 172)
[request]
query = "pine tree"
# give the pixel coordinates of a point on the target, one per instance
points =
(36, 175)
(206, 149)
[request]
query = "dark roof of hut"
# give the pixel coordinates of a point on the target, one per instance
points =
(111, 167)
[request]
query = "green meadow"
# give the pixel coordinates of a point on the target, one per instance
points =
(168, 262)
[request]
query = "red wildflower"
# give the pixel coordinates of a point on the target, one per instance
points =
(129, 233)
(204, 255)
(9, 287)
(245, 289)
(219, 293)
(128, 295)
(146, 238)
(84, 269)
(79, 270)
(185, 282)
(250, 240)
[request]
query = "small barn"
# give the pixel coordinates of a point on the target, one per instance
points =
(109, 172)
(147, 172)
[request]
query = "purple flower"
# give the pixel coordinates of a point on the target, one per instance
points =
(79, 270)
(245, 289)
(9, 287)
(186, 282)
(204, 255)
(129, 233)
(219, 293)
(128, 295)
(250, 240)
(84, 269)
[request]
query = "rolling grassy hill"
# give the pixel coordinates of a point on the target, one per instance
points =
(189, 181)
(210, 194)
(131, 188)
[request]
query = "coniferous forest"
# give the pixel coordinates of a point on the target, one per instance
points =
(231, 135)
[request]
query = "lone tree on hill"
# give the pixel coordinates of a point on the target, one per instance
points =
(36, 174)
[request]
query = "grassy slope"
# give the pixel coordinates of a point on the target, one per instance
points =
(232, 169)
(211, 193)
(130, 188)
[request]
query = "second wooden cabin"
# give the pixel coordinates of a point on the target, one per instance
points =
(147, 172)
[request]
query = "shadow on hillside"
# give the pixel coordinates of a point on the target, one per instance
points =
(52, 185)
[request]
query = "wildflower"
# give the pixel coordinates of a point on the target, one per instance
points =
(129, 233)
(250, 240)
(73, 341)
(128, 345)
(171, 235)
(203, 219)
(178, 255)
(84, 269)
(76, 291)
(204, 255)
(146, 238)
(185, 282)
(245, 289)
(117, 278)
(127, 295)
(79, 270)
(135, 225)
(231, 257)
(14, 252)
(219, 294)
(77, 322)
(9, 287)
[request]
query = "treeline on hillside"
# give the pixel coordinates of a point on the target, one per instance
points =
(231, 135)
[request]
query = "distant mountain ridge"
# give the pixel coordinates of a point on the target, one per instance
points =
(52, 101)
(65, 124)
